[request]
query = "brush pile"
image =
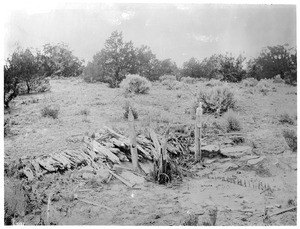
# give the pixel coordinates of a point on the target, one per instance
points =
(103, 150)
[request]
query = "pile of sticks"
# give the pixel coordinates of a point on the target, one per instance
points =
(102, 148)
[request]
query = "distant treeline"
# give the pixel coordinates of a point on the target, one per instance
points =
(25, 68)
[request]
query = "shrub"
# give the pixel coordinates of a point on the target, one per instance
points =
(85, 111)
(126, 108)
(50, 111)
(232, 122)
(249, 82)
(190, 220)
(188, 80)
(36, 85)
(214, 82)
(135, 84)
(286, 118)
(265, 86)
(290, 137)
(167, 78)
(173, 85)
(278, 79)
(217, 100)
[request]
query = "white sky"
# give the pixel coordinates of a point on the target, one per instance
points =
(176, 31)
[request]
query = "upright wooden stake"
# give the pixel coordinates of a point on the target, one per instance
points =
(198, 154)
(133, 143)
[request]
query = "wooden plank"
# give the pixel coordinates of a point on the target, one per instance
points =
(133, 143)
(156, 143)
(198, 123)
(104, 151)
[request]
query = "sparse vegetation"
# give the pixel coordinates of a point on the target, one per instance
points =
(214, 82)
(136, 84)
(166, 78)
(278, 79)
(7, 127)
(188, 80)
(249, 82)
(232, 122)
(286, 118)
(85, 111)
(50, 111)
(217, 100)
(290, 137)
(191, 219)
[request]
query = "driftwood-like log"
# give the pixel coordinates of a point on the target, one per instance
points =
(284, 211)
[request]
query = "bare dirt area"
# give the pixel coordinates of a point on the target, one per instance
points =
(244, 187)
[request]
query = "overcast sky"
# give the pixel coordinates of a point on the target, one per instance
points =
(175, 31)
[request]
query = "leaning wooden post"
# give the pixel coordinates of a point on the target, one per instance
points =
(198, 154)
(133, 143)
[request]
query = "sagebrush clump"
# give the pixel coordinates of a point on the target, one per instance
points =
(188, 80)
(232, 121)
(191, 219)
(214, 83)
(249, 82)
(167, 78)
(290, 137)
(278, 79)
(50, 111)
(217, 100)
(135, 84)
(264, 86)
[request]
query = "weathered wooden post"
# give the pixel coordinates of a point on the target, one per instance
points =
(133, 143)
(198, 154)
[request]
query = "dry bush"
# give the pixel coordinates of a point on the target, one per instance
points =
(167, 78)
(15, 202)
(264, 86)
(190, 220)
(133, 109)
(278, 79)
(232, 122)
(135, 84)
(286, 118)
(85, 111)
(173, 85)
(50, 111)
(249, 82)
(214, 82)
(188, 80)
(217, 100)
(290, 137)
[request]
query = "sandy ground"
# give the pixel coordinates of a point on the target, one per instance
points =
(153, 204)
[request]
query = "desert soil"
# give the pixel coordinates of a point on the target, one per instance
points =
(86, 108)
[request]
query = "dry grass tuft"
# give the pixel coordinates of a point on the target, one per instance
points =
(50, 111)
(290, 137)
